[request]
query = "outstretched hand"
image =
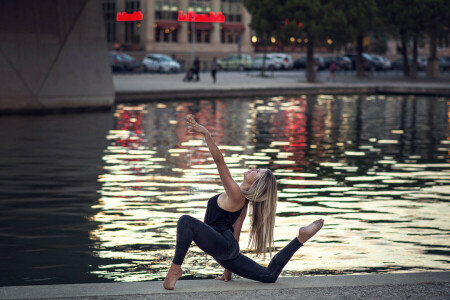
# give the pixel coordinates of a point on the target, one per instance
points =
(226, 276)
(193, 126)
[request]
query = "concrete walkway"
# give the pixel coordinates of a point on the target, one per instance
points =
(155, 87)
(430, 285)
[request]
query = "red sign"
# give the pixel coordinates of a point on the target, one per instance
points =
(135, 16)
(193, 17)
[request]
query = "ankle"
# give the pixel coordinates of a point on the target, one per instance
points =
(175, 268)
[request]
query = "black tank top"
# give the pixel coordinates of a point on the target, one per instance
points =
(219, 219)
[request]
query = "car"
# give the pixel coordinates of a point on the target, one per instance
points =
(235, 62)
(115, 61)
(282, 61)
(122, 62)
(160, 63)
(257, 63)
(301, 63)
(342, 62)
(444, 63)
(398, 64)
(423, 62)
(368, 61)
(383, 62)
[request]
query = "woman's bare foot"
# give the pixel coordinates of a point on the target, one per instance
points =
(172, 276)
(307, 232)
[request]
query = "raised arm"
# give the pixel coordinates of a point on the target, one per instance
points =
(232, 189)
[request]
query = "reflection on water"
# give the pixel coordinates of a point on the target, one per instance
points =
(376, 168)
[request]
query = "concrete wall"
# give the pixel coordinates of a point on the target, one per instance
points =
(53, 55)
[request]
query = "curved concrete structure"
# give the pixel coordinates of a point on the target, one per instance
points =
(53, 55)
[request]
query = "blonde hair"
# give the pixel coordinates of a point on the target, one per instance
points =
(263, 198)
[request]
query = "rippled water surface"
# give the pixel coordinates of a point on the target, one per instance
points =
(96, 197)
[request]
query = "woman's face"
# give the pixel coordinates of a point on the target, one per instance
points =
(251, 175)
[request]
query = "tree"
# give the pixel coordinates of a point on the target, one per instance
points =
(317, 20)
(413, 18)
(436, 25)
(266, 20)
(362, 18)
(393, 17)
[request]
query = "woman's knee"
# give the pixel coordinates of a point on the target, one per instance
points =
(185, 220)
(270, 279)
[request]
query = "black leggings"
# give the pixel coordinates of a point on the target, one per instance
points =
(224, 248)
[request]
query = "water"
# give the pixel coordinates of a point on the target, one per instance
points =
(96, 197)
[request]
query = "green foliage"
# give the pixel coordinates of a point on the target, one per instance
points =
(379, 44)
(266, 17)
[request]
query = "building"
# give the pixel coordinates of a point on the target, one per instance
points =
(161, 32)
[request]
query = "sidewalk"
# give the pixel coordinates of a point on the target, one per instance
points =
(429, 285)
(155, 87)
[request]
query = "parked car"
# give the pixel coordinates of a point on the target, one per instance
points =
(282, 61)
(444, 63)
(122, 62)
(160, 63)
(235, 62)
(368, 61)
(423, 62)
(398, 64)
(257, 63)
(301, 63)
(342, 62)
(383, 62)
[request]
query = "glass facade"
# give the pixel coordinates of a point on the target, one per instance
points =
(109, 14)
(231, 10)
(132, 29)
(166, 9)
(165, 25)
(199, 6)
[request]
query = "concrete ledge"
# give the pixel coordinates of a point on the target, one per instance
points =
(126, 290)
(176, 94)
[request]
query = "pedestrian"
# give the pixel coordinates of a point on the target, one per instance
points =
(219, 234)
(214, 68)
(196, 68)
(333, 70)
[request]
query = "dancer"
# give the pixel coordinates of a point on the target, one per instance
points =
(218, 235)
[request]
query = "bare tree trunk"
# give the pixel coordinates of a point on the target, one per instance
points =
(433, 62)
(404, 54)
(359, 50)
(415, 66)
(263, 67)
(310, 70)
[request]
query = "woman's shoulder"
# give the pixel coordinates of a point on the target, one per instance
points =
(225, 203)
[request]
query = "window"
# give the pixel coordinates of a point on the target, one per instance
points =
(166, 35)
(229, 36)
(109, 15)
(132, 32)
(199, 6)
(201, 36)
(443, 42)
(166, 9)
(231, 10)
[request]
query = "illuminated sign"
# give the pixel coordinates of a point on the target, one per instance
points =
(135, 16)
(193, 17)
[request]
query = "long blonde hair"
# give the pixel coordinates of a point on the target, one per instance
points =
(263, 198)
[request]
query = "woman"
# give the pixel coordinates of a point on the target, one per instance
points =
(218, 236)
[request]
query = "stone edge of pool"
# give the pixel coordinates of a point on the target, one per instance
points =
(178, 94)
(204, 288)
